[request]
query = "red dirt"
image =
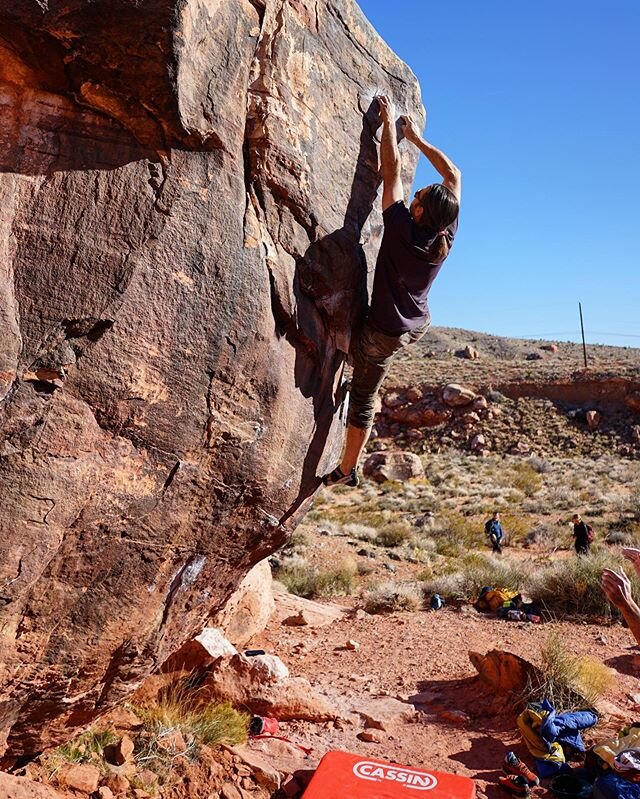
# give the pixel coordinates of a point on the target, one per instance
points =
(406, 653)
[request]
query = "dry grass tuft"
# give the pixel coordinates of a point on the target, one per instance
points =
(567, 681)
(391, 597)
(87, 747)
(305, 580)
(180, 709)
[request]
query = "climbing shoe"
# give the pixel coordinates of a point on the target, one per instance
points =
(513, 765)
(515, 784)
(337, 478)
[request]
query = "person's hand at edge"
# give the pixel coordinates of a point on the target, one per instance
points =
(409, 128)
(632, 554)
(617, 588)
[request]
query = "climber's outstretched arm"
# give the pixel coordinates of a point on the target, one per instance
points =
(451, 175)
(392, 190)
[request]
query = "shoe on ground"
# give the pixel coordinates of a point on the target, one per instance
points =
(515, 784)
(513, 765)
(338, 478)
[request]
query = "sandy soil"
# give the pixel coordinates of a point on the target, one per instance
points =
(403, 654)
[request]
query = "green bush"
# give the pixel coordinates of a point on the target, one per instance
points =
(87, 747)
(473, 573)
(394, 534)
(572, 586)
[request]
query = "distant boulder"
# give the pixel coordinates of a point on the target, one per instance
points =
(469, 352)
(455, 395)
(382, 466)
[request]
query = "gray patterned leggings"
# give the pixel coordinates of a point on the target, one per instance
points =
(372, 356)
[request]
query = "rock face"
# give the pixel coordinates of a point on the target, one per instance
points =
(187, 197)
(20, 788)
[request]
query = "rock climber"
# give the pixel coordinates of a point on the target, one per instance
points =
(415, 244)
(582, 535)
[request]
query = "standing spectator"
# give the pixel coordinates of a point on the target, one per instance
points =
(582, 535)
(494, 531)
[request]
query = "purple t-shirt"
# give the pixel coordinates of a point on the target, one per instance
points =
(404, 273)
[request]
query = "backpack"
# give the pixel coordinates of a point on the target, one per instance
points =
(590, 534)
(494, 598)
(489, 531)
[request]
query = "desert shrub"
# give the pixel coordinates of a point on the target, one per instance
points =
(303, 579)
(560, 497)
(634, 503)
(547, 535)
(360, 531)
(473, 573)
(515, 526)
(179, 708)
(572, 586)
(539, 465)
(391, 597)
(368, 513)
(569, 682)
(527, 479)
(392, 487)
(394, 534)
(619, 537)
(460, 529)
(514, 497)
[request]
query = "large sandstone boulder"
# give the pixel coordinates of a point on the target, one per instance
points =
(249, 608)
(188, 191)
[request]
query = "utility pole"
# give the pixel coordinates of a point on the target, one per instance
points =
(584, 346)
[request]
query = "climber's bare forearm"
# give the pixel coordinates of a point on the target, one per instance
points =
(391, 165)
(451, 175)
(631, 613)
(389, 154)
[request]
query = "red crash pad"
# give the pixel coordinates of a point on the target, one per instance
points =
(341, 775)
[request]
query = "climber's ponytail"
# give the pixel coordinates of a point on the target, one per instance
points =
(439, 210)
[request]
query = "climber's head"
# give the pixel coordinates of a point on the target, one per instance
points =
(434, 207)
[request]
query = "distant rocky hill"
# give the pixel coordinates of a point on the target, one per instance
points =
(514, 396)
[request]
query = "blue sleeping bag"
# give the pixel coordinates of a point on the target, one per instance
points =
(612, 786)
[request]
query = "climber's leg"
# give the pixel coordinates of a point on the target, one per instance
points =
(372, 356)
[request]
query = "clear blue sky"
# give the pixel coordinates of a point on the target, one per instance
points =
(539, 104)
